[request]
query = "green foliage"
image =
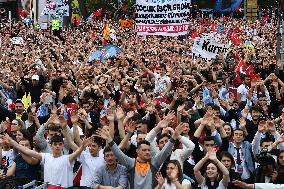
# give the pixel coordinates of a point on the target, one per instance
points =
(92, 4)
(107, 5)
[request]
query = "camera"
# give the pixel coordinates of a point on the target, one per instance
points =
(265, 158)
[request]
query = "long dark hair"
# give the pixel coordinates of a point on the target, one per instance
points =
(218, 179)
(180, 174)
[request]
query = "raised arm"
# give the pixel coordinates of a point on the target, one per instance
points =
(188, 147)
(166, 151)
(144, 68)
(129, 128)
(74, 155)
(224, 170)
(122, 158)
(21, 148)
(198, 176)
(42, 143)
(120, 117)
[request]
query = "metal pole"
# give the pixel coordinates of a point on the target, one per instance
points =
(10, 22)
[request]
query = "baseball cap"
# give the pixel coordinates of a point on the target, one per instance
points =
(35, 77)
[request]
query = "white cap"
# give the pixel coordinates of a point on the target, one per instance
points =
(35, 77)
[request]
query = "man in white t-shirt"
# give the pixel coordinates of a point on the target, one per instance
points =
(243, 89)
(91, 159)
(58, 168)
(162, 81)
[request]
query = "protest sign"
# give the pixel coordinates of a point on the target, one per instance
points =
(56, 7)
(208, 48)
(17, 41)
(162, 17)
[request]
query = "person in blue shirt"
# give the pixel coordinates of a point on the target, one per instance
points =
(24, 168)
(111, 174)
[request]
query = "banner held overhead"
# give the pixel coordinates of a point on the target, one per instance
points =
(162, 17)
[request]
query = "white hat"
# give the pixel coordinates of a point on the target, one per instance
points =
(35, 77)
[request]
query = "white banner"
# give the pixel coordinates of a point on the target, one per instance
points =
(162, 17)
(208, 48)
(56, 7)
(17, 41)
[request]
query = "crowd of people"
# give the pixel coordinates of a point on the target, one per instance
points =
(154, 116)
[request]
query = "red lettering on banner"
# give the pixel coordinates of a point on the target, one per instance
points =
(162, 28)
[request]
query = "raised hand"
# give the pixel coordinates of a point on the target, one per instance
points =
(212, 154)
(112, 103)
(82, 114)
(180, 108)
(262, 128)
(196, 99)
(130, 127)
(130, 114)
(74, 117)
(7, 139)
(168, 130)
(217, 122)
(171, 116)
(53, 109)
(87, 141)
(5, 124)
(120, 113)
(175, 97)
(243, 122)
(33, 109)
(110, 115)
(62, 121)
(104, 134)
(280, 139)
(244, 113)
(160, 179)
(214, 93)
(179, 129)
(163, 123)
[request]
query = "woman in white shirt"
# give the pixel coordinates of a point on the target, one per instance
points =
(214, 169)
(174, 178)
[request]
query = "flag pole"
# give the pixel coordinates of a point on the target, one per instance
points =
(10, 22)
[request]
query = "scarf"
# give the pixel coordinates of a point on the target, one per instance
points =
(142, 168)
(210, 186)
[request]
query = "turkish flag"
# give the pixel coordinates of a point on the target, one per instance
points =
(235, 38)
(250, 71)
(241, 67)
